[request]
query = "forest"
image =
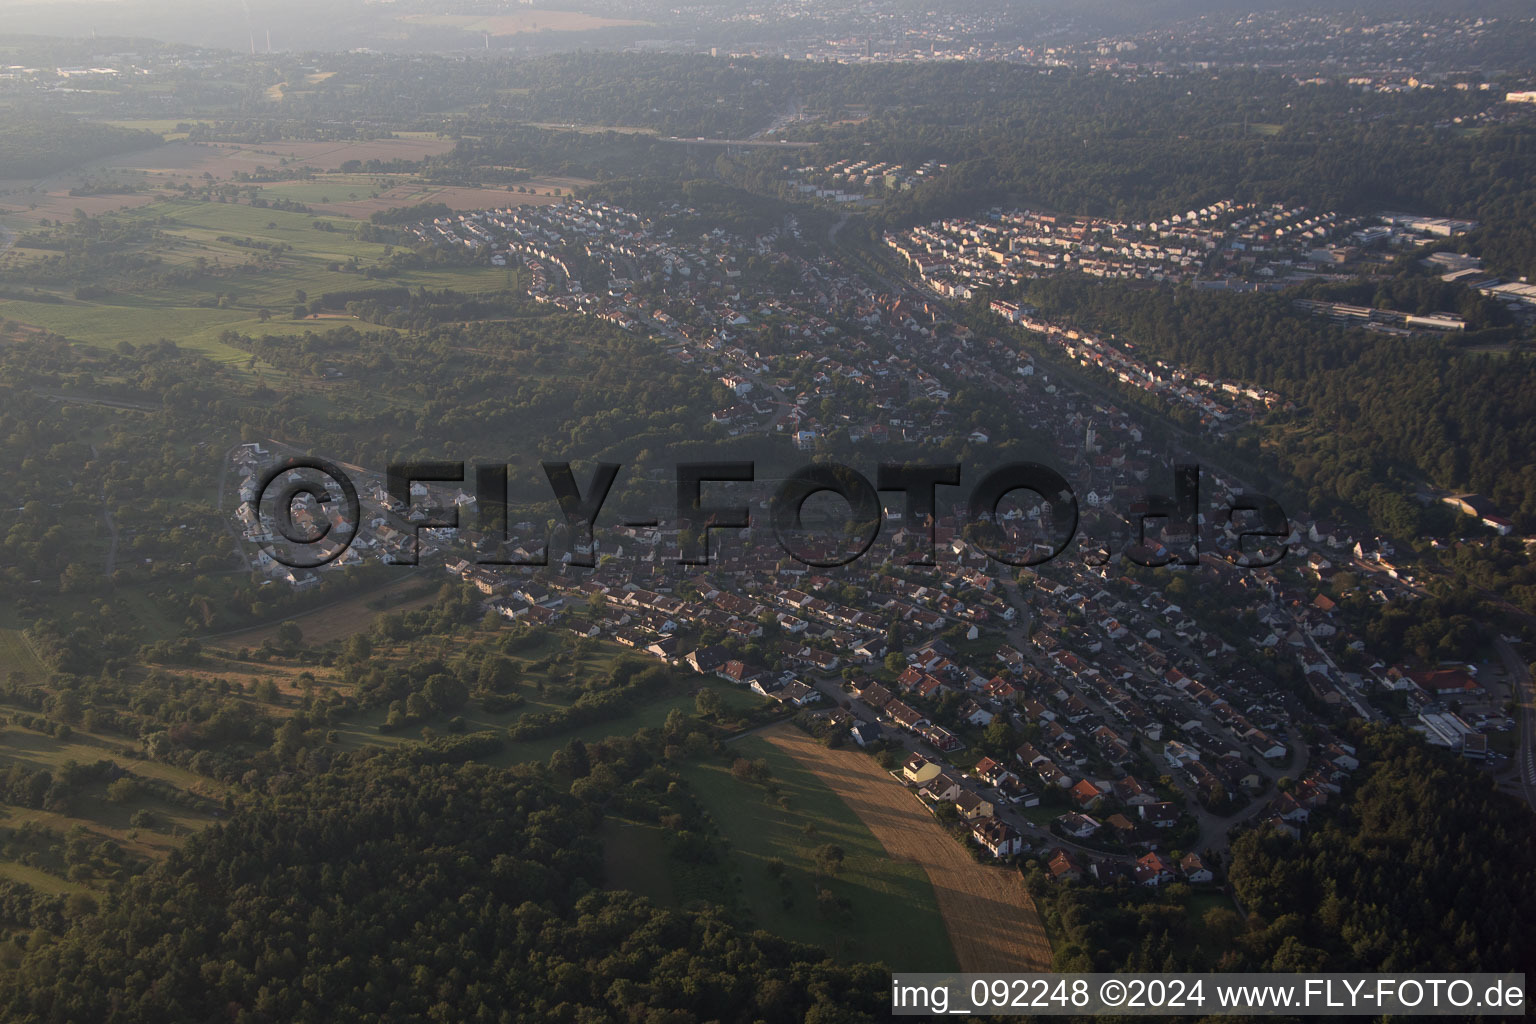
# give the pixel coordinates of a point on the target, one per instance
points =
(1073, 141)
(39, 142)
(413, 886)
(529, 387)
(1375, 417)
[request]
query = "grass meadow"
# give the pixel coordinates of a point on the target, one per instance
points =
(893, 918)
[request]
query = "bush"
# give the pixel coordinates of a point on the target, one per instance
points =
(496, 703)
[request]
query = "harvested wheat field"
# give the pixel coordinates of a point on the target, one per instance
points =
(991, 918)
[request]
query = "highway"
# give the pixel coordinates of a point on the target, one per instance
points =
(759, 143)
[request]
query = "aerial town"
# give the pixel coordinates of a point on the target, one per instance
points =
(1095, 662)
(701, 511)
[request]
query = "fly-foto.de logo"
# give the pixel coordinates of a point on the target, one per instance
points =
(1019, 514)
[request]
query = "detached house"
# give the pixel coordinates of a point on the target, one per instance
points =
(972, 807)
(1153, 869)
(991, 772)
(1159, 815)
(942, 788)
(997, 837)
(919, 771)
(1194, 869)
(707, 659)
(1065, 867)
(1078, 826)
(1087, 795)
(798, 694)
(865, 733)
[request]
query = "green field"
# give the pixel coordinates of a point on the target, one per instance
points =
(16, 656)
(231, 292)
(90, 808)
(650, 716)
(40, 880)
(632, 852)
(36, 750)
(105, 325)
(331, 188)
(364, 729)
(594, 659)
(895, 917)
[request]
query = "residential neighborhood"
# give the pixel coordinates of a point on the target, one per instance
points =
(1110, 681)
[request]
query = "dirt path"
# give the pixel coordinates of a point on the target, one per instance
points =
(992, 921)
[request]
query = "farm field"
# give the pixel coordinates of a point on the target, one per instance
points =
(108, 325)
(37, 750)
(168, 127)
(24, 207)
(337, 622)
(989, 914)
(363, 730)
(181, 160)
(148, 176)
(894, 916)
(233, 293)
(649, 716)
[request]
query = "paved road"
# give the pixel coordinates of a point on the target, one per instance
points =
(780, 122)
(1524, 688)
(759, 143)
